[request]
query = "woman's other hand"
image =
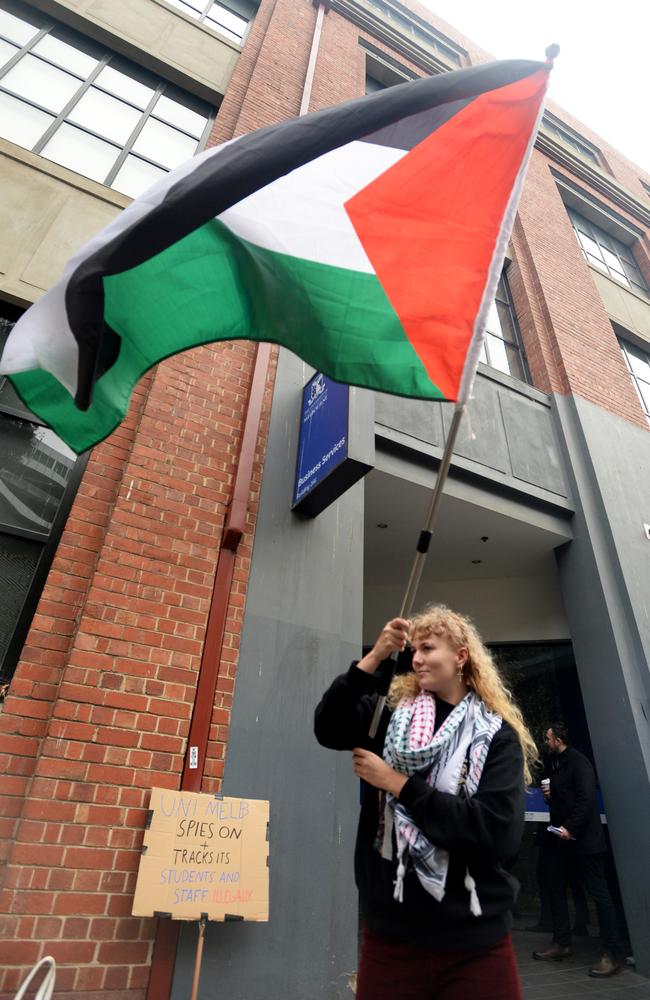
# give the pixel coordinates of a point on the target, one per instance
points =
(376, 772)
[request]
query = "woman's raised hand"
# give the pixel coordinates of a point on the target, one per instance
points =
(393, 638)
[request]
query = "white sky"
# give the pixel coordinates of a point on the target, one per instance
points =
(602, 73)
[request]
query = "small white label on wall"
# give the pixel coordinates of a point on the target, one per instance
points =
(646, 528)
(194, 758)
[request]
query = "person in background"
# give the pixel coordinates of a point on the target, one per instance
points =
(579, 843)
(442, 813)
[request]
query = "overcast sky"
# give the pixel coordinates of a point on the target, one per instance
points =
(602, 75)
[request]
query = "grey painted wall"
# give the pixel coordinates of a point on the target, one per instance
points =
(302, 627)
(605, 579)
(507, 435)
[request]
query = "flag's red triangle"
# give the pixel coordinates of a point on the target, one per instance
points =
(429, 223)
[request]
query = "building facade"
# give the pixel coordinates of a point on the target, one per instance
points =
(159, 593)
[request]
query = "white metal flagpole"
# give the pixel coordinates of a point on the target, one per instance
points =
(423, 545)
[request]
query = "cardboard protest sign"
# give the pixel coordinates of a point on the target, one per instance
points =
(204, 854)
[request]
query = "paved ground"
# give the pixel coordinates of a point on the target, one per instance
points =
(568, 980)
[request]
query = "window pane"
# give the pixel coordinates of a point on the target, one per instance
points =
(493, 324)
(79, 151)
(515, 363)
(20, 123)
(597, 262)
(34, 469)
(506, 321)
(16, 29)
(65, 55)
(644, 392)
(226, 20)
(176, 114)
(41, 83)
(483, 355)
(590, 246)
(639, 362)
(18, 562)
(7, 52)
(497, 353)
(164, 144)
(106, 115)
(186, 8)
(10, 398)
(135, 176)
(612, 261)
(125, 86)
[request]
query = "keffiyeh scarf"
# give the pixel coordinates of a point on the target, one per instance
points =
(411, 747)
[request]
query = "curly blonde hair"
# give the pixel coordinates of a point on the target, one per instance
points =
(479, 673)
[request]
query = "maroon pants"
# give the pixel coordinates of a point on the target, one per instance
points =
(391, 970)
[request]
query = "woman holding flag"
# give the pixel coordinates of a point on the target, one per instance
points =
(442, 816)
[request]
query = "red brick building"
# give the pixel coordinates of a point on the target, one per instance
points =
(135, 575)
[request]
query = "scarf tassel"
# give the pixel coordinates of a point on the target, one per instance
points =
(398, 894)
(474, 903)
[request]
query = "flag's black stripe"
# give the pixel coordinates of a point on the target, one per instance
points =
(252, 162)
(408, 132)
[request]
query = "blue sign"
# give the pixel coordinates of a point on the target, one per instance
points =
(323, 443)
(538, 810)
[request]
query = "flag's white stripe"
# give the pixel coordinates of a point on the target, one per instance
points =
(302, 214)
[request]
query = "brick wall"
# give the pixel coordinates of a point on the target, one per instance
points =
(101, 702)
(100, 705)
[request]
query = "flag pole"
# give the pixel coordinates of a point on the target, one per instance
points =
(423, 547)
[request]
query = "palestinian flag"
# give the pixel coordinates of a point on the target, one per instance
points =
(368, 238)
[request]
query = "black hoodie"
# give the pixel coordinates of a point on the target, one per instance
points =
(482, 833)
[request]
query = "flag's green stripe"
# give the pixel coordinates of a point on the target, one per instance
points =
(213, 286)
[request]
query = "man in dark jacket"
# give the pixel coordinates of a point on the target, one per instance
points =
(579, 841)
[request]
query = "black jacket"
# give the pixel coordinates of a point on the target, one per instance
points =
(573, 799)
(482, 833)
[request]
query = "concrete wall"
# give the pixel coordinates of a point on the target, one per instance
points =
(46, 214)
(509, 609)
(623, 306)
(155, 35)
(605, 578)
(507, 435)
(302, 627)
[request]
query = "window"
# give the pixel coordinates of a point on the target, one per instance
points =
(38, 479)
(638, 363)
(230, 19)
(427, 36)
(646, 188)
(570, 138)
(607, 253)
(89, 110)
(502, 347)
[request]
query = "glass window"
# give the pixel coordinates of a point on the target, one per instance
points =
(80, 151)
(607, 253)
(123, 85)
(106, 115)
(21, 123)
(16, 29)
(230, 19)
(177, 114)
(227, 22)
(638, 363)
(164, 144)
(7, 51)
(41, 83)
(502, 348)
(36, 483)
(569, 138)
(136, 175)
(66, 56)
(91, 110)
